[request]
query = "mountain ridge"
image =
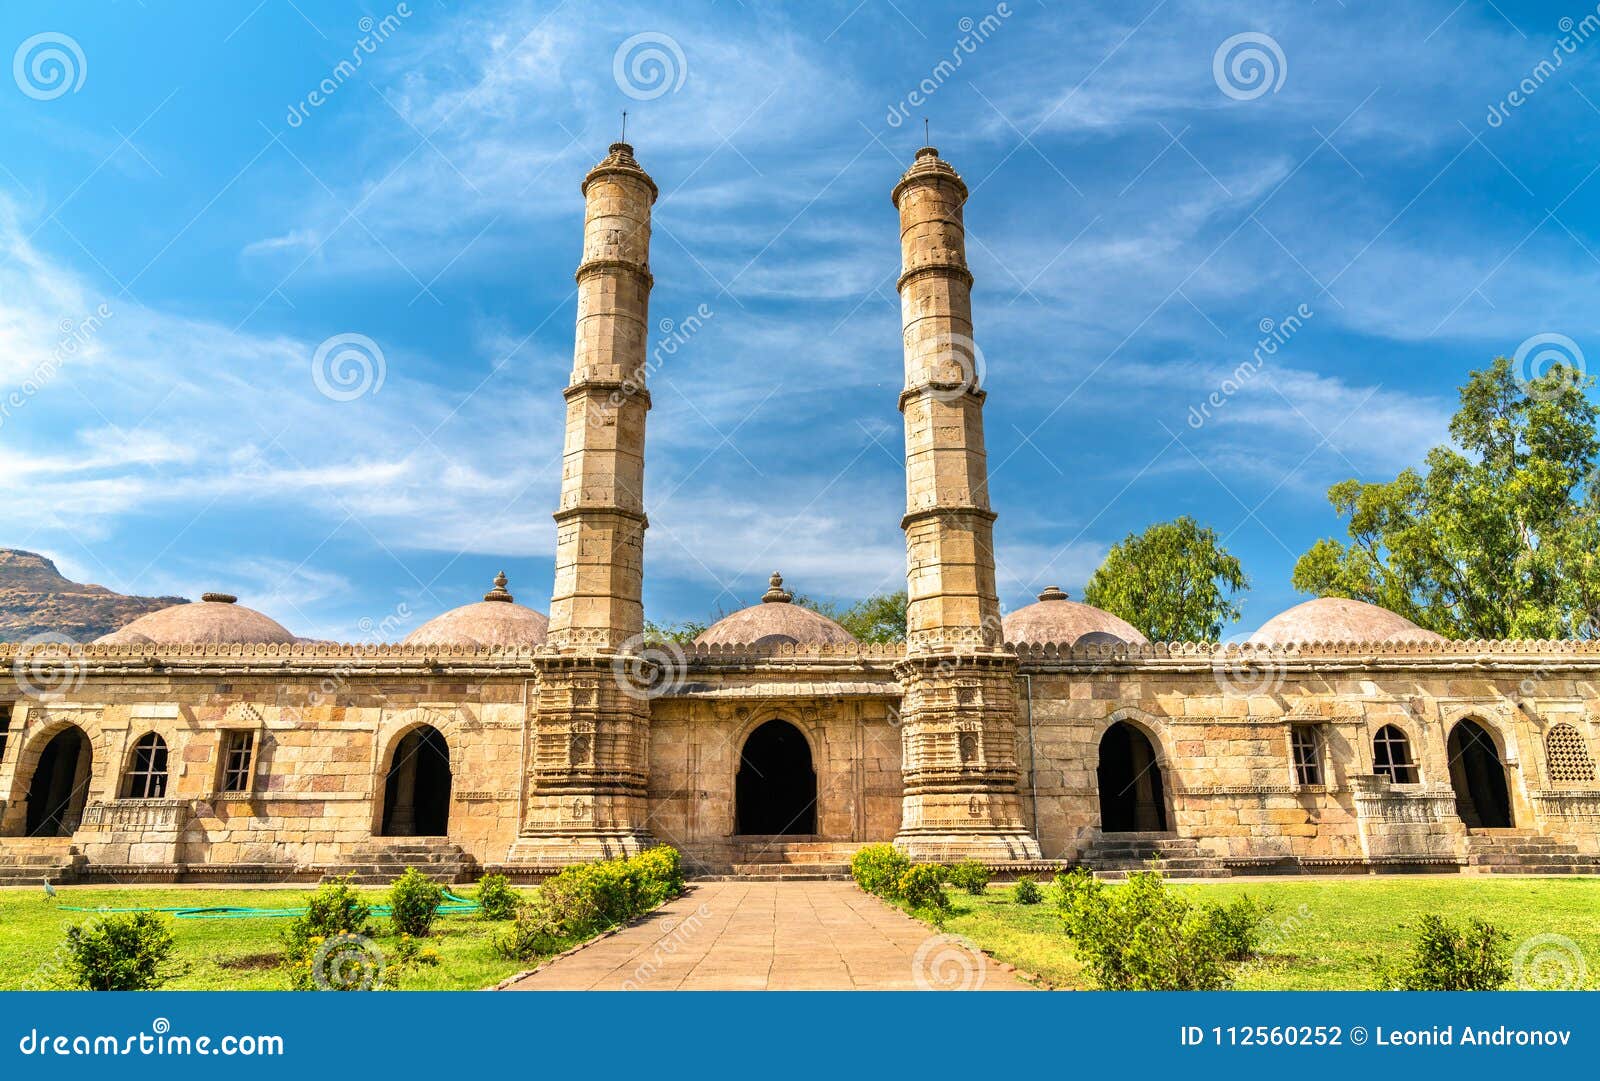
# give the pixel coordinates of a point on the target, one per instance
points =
(37, 599)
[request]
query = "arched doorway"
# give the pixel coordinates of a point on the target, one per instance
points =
(60, 785)
(775, 792)
(416, 795)
(1482, 799)
(1132, 798)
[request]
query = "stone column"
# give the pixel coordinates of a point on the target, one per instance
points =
(959, 711)
(591, 712)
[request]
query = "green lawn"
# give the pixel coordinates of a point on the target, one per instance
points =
(1324, 934)
(236, 954)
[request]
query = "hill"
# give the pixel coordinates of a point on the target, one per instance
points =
(36, 599)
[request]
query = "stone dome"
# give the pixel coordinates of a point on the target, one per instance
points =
(215, 619)
(1054, 618)
(1339, 619)
(775, 621)
(497, 620)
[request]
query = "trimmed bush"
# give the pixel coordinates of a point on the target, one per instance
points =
(877, 869)
(120, 953)
(496, 899)
(969, 875)
(1240, 924)
(1445, 957)
(1026, 891)
(414, 901)
(581, 901)
(335, 909)
(922, 888)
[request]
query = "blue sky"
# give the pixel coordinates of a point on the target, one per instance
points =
(1135, 219)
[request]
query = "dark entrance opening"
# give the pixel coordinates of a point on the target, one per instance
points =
(1482, 799)
(60, 785)
(416, 796)
(776, 790)
(1132, 799)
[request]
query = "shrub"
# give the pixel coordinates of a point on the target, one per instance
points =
(1239, 924)
(921, 887)
(335, 909)
(585, 899)
(877, 869)
(1141, 936)
(1026, 891)
(414, 903)
(496, 899)
(1445, 957)
(969, 875)
(662, 868)
(120, 953)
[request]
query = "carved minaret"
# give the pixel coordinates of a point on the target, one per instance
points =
(960, 705)
(588, 764)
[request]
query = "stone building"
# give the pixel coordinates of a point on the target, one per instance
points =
(206, 741)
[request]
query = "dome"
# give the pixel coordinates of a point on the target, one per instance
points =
(1054, 618)
(1339, 619)
(215, 619)
(497, 620)
(775, 621)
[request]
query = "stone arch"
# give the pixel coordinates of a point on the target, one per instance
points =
(1478, 776)
(1394, 755)
(775, 786)
(145, 768)
(417, 782)
(52, 779)
(1567, 757)
(1130, 780)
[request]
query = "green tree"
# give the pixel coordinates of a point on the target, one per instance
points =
(1174, 582)
(1498, 536)
(686, 631)
(878, 618)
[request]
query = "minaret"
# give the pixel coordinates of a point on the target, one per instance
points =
(960, 706)
(588, 759)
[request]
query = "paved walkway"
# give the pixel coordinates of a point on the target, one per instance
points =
(774, 936)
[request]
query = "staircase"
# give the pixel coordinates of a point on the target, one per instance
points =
(1114, 856)
(33, 861)
(382, 860)
(1524, 852)
(784, 859)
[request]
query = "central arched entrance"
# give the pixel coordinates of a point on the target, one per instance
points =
(60, 785)
(1132, 798)
(1482, 799)
(416, 795)
(775, 792)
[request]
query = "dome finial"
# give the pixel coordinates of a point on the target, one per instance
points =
(219, 598)
(1053, 593)
(775, 593)
(498, 593)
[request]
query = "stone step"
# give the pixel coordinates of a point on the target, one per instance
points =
(791, 870)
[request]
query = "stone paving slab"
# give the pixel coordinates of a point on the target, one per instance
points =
(774, 936)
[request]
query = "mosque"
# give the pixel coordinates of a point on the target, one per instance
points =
(207, 742)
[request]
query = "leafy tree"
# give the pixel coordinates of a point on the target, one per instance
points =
(1498, 536)
(686, 631)
(1174, 582)
(878, 618)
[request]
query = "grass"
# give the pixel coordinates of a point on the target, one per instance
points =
(231, 954)
(1323, 934)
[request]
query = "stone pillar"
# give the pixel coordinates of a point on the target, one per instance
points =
(590, 716)
(959, 711)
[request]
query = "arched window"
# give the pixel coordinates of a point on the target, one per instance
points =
(1568, 754)
(147, 771)
(1391, 756)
